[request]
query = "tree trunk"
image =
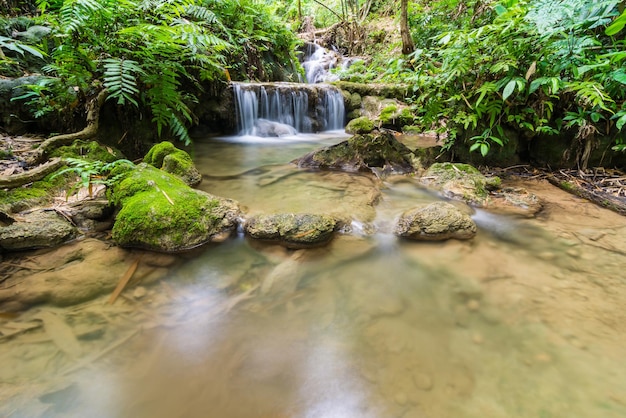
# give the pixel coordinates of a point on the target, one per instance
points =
(407, 42)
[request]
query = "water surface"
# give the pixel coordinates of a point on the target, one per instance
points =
(525, 320)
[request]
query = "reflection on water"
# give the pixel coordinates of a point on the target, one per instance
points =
(504, 325)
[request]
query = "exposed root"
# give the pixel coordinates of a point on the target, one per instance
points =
(17, 180)
(90, 131)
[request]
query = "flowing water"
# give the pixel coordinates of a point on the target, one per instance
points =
(525, 320)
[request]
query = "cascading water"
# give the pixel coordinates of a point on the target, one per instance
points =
(284, 109)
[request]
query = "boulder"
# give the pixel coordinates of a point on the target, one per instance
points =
(361, 125)
(460, 182)
(292, 230)
(160, 212)
(437, 221)
(379, 152)
(39, 229)
(175, 161)
(267, 128)
(514, 201)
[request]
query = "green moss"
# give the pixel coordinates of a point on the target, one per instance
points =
(388, 114)
(158, 152)
(360, 125)
(160, 211)
(173, 160)
(5, 154)
(88, 150)
(37, 193)
(466, 176)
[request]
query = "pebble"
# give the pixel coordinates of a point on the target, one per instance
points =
(139, 292)
(423, 381)
(543, 358)
(478, 339)
(547, 256)
(473, 305)
(574, 252)
(401, 398)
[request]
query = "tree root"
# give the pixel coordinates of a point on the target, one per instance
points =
(90, 131)
(17, 180)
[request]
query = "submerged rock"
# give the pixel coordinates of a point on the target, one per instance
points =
(160, 212)
(292, 230)
(379, 152)
(78, 272)
(437, 221)
(175, 161)
(461, 182)
(40, 229)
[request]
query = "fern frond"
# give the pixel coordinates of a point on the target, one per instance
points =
(591, 94)
(120, 79)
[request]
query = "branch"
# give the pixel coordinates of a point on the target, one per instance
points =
(329, 9)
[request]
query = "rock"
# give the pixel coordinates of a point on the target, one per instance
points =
(292, 230)
(175, 161)
(33, 34)
(267, 128)
(92, 214)
(160, 212)
(379, 152)
(435, 222)
(514, 201)
(40, 229)
(361, 125)
(460, 182)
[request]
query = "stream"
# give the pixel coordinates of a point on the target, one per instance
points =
(525, 320)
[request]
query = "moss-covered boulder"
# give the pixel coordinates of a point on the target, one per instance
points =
(160, 212)
(437, 221)
(361, 125)
(292, 230)
(460, 182)
(88, 150)
(379, 152)
(175, 161)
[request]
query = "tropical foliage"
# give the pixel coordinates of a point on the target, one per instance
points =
(154, 54)
(539, 67)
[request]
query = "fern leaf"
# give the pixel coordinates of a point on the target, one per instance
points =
(120, 79)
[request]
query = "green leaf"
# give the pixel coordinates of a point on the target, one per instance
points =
(620, 76)
(617, 25)
(508, 89)
(484, 149)
(475, 146)
(620, 122)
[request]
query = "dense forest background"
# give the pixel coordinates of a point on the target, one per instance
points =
(476, 69)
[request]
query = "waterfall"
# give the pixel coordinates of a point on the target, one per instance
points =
(282, 109)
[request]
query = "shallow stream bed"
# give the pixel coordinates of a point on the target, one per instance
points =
(525, 320)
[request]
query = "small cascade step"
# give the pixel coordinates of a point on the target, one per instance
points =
(281, 109)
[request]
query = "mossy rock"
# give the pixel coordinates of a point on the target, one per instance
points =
(160, 212)
(175, 161)
(38, 193)
(437, 221)
(360, 125)
(88, 150)
(292, 230)
(461, 182)
(379, 152)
